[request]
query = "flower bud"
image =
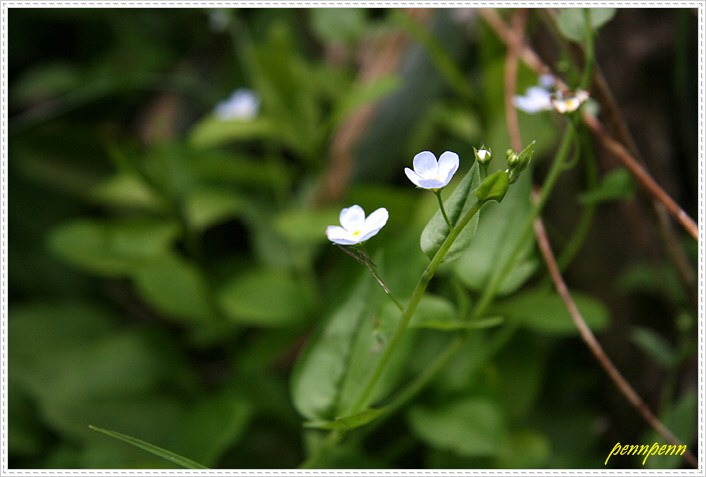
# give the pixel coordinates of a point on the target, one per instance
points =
(483, 155)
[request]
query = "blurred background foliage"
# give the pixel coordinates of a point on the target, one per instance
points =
(167, 268)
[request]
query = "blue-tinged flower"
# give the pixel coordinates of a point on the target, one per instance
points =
(243, 104)
(355, 227)
(430, 174)
(535, 100)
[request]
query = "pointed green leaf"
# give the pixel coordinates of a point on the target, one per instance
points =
(320, 371)
(493, 187)
(545, 312)
(456, 206)
(348, 422)
(153, 449)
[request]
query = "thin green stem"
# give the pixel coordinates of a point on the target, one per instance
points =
(589, 52)
(437, 192)
(526, 230)
(411, 307)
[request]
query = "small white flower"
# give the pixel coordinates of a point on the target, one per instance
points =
(484, 155)
(356, 228)
(430, 174)
(243, 104)
(536, 99)
(566, 104)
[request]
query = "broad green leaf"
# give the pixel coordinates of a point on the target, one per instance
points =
(176, 288)
(112, 248)
(213, 132)
(473, 426)
(265, 297)
(321, 369)
(348, 422)
(456, 206)
(572, 21)
(544, 311)
(207, 206)
(655, 346)
(494, 240)
(618, 184)
(153, 449)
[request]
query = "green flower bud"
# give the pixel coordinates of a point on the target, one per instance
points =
(493, 187)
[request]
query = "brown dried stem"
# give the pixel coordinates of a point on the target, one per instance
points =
(530, 58)
(519, 21)
(595, 347)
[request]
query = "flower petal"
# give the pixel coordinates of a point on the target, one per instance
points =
(425, 164)
(340, 235)
(448, 165)
(413, 176)
(352, 218)
(431, 183)
(374, 223)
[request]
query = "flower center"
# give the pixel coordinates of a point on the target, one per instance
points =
(357, 233)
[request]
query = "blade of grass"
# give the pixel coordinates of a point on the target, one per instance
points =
(152, 449)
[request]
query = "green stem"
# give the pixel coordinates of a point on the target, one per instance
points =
(411, 307)
(526, 231)
(437, 192)
(589, 52)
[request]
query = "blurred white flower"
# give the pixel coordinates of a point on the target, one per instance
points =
(430, 174)
(536, 99)
(356, 228)
(567, 102)
(243, 104)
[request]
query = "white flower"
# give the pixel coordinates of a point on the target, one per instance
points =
(430, 174)
(567, 104)
(356, 228)
(243, 104)
(484, 155)
(536, 99)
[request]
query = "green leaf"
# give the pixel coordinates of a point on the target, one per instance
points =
(265, 297)
(348, 422)
(544, 311)
(176, 288)
(456, 206)
(128, 190)
(433, 312)
(338, 25)
(655, 346)
(494, 240)
(473, 427)
(618, 184)
(153, 449)
(205, 207)
(494, 187)
(213, 132)
(361, 94)
(321, 369)
(572, 21)
(112, 248)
